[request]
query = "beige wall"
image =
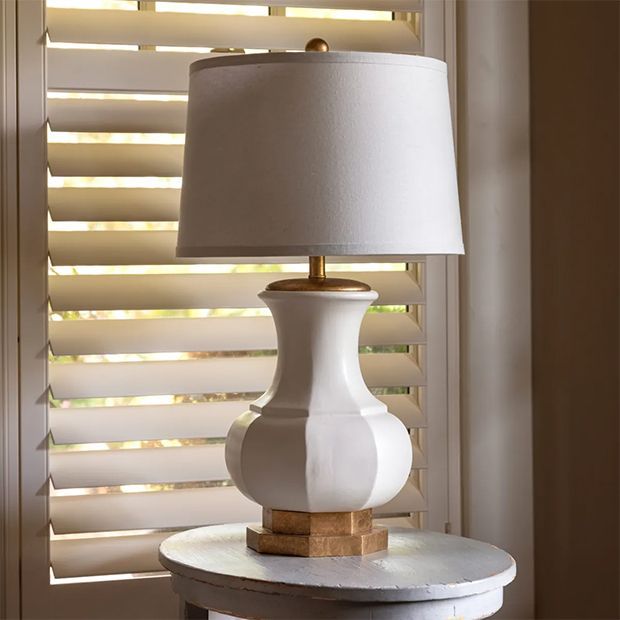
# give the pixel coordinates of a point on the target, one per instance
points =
(575, 256)
(496, 372)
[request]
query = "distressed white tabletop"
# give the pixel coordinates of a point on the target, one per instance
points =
(422, 575)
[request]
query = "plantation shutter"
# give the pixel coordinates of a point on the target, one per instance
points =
(152, 357)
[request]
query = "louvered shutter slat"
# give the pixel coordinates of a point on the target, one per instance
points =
(107, 555)
(153, 510)
(394, 521)
(214, 375)
(111, 292)
(144, 422)
(145, 247)
(114, 115)
(179, 421)
(90, 337)
(408, 500)
(101, 468)
(237, 31)
(138, 553)
(405, 409)
(175, 509)
(120, 70)
(153, 247)
(115, 160)
(367, 5)
(150, 247)
(113, 204)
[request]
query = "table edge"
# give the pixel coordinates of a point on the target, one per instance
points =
(236, 583)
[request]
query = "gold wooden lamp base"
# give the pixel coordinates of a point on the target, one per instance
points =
(317, 534)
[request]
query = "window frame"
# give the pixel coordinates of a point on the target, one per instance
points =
(24, 209)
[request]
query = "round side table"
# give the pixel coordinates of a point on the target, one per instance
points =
(422, 576)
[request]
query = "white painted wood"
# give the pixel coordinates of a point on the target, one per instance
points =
(408, 499)
(122, 71)
(148, 247)
(144, 422)
(181, 421)
(116, 160)
(239, 290)
(441, 395)
(30, 132)
(284, 608)
(392, 521)
(99, 468)
(423, 575)
(114, 115)
(367, 5)
(106, 555)
(10, 561)
(92, 69)
(177, 509)
(113, 204)
(146, 599)
(181, 508)
(127, 247)
(89, 337)
(317, 440)
(211, 375)
(452, 307)
(237, 31)
(135, 552)
(158, 247)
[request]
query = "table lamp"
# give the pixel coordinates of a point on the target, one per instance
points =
(313, 154)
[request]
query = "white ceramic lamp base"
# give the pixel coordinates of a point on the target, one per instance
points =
(318, 441)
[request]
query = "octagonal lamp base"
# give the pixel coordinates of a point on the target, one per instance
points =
(317, 534)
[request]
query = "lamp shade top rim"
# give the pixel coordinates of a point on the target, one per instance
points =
(374, 58)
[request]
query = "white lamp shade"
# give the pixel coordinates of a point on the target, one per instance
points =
(298, 154)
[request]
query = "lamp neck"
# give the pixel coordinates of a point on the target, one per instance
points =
(317, 267)
(318, 281)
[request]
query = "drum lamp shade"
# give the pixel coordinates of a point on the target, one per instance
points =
(335, 153)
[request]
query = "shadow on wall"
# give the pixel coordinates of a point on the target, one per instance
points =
(575, 258)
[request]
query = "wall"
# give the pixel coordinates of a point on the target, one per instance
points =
(496, 374)
(575, 257)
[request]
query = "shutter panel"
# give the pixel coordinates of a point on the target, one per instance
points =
(236, 31)
(154, 356)
(83, 337)
(214, 375)
(361, 5)
(157, 247)
(191, 290)
(84, 425)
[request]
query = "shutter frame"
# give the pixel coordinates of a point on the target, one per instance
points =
(152, 72)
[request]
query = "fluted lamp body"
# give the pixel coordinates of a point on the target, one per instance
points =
(313, 154)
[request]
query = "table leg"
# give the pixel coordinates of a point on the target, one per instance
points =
(191, 612)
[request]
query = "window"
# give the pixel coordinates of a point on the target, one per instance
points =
(151, 357)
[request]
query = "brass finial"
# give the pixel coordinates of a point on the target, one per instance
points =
(317, 45)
